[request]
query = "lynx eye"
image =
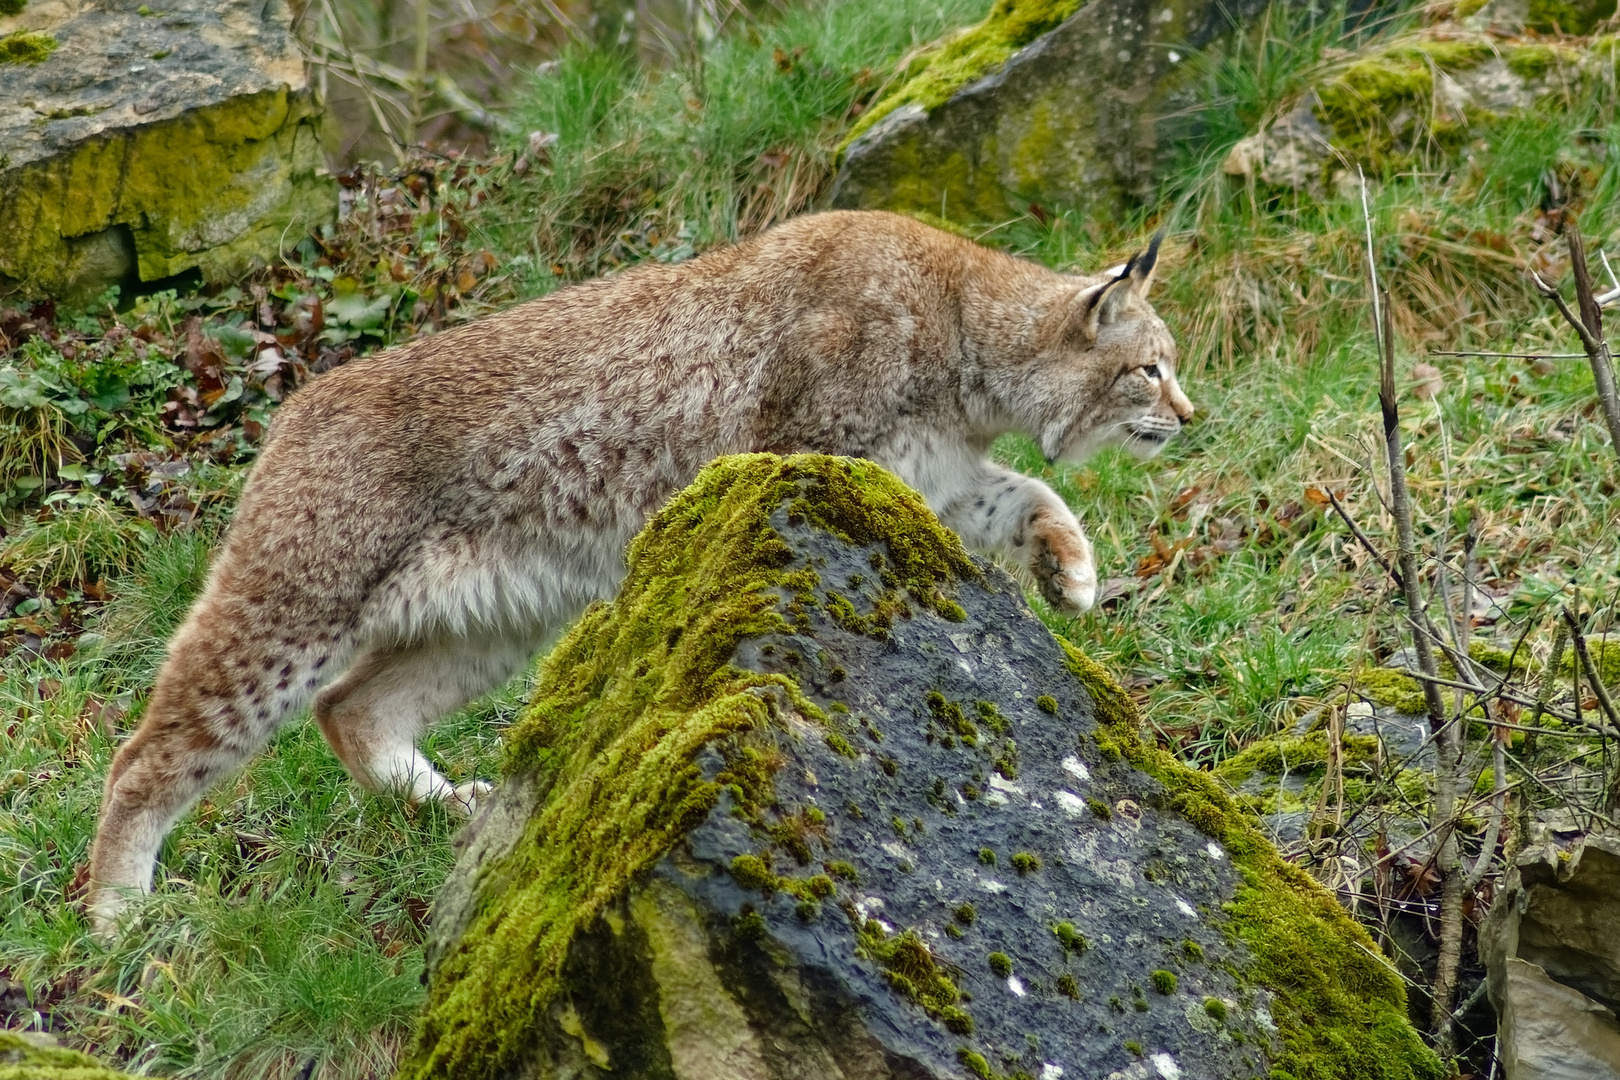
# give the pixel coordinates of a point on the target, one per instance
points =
(1151, 371)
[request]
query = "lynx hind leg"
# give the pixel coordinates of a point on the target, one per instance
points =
(374, 714)
(232, 678)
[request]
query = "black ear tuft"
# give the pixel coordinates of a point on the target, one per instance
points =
(1141, 266)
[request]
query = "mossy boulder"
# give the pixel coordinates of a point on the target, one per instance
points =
(817, 795)
(35, 1057)
(145, 143)
(1036, 104)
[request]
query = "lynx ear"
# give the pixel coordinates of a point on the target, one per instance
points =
(1109, 304)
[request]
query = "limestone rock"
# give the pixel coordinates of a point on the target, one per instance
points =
(146, 145)
(1074, 118)
(818, 796)
(1551, 945)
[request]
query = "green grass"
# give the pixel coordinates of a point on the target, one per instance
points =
(287, 925)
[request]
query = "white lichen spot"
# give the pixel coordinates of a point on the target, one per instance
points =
(964, 665)
(1001, 783)
(1050, 1071)
(1214, 850)
(963, 642)
(1359, 708)
(1167, 15)
(1076, 768)
(1167, 1066)
(1123, 56)
(897, 850)
(991, 885)
(1175, 57)
(1071, 804)
(1186, 908)
(995, 798)
(1035, 805)
(866, 905)
(1015, 986)
(939, 886)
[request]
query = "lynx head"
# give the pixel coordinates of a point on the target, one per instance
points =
(1107, 367)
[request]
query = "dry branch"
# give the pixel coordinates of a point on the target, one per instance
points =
(1589, 326)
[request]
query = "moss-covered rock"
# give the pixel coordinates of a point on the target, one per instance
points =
(142, 146)
(32, 1057)
(751, 825)
(1030, 105)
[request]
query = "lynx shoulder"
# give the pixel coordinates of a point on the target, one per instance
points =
(421, 519)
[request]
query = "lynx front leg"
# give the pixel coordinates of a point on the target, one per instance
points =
(1024, 517)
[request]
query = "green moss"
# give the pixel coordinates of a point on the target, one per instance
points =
(12, 7)
(1216, 1009)
(1133, 1047)
(1576, 17)
(1340, 1007)
(968, 55)
(1165, 982)
(1068, 987)
(1000, 963)
(1026, 862)
(843, 871)
(1072, 940)
(34, 1058)
(952, 718)
(965, 914)
(1099, 809)
(974, 1063)
(750, 872)
(987, 856)
(26, 47)
(1392, 689)
(1296, 754)
(622, 709)
(1605, 654)
(909, 967)
(991, 716)
(1047, 704)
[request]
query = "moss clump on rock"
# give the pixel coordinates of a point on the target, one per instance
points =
(12, 7)
(623, 707)
(1296, 754)
(24, 1057)
(968, 55)
(26, 47)
(1340, 1008)
(1381, 108)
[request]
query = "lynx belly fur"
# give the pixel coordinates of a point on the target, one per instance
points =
(422, 519)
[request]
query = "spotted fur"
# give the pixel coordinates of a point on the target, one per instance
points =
(422, 519)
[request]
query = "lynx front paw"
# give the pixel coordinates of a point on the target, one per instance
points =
(470, 796)
(1063, 565)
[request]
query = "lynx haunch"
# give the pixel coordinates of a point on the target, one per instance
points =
(422, 519)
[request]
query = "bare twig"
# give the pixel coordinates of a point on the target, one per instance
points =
(1514, 355)
(1601, 692)
(1589, 326)
(365, 87)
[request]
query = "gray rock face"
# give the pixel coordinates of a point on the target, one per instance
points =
(1075, 118)
(931, 852)
(147, 145)
(1552, 947)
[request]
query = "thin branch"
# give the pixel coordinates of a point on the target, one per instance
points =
(1590, 328)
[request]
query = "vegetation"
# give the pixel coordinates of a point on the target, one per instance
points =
(285, 935)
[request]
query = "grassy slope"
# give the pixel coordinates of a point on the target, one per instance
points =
(288, 919)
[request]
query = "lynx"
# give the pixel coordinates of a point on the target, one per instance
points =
(421, 519)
